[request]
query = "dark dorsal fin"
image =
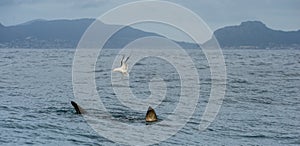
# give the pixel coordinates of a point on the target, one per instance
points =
(78, 109)
(151, 115)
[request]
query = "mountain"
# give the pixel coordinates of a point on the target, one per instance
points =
(60, 34)
(44, 34)
(256, 34)
(66, 34)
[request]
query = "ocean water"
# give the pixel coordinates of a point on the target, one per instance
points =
(261, 105)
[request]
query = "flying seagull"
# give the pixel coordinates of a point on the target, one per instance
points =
(124, 67)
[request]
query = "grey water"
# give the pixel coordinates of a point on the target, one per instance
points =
(261, 105)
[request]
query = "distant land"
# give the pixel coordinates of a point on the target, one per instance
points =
(60, 34)
(255, 34)
(67, 33)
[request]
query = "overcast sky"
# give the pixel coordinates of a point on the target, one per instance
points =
(277, 14)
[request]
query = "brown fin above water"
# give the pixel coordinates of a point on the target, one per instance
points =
(78, 109)
(151, 115)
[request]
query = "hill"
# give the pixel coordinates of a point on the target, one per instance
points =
(66, 34)
(255, 34)
(60, 34)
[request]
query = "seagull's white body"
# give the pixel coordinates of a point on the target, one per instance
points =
(123, 68)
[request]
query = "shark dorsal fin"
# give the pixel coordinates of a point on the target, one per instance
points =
(151, 115)
(78, 109)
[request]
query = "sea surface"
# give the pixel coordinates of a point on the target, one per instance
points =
(261, 105)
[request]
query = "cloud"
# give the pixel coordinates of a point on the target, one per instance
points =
(90, 3)
(217, 13)
(4, 3)
(12, 3)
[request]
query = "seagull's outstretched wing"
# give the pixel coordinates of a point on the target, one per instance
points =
(122, 61)
(126, 59)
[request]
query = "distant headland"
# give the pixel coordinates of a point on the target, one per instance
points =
(66, 34)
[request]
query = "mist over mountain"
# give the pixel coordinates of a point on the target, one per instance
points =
(67, 33)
